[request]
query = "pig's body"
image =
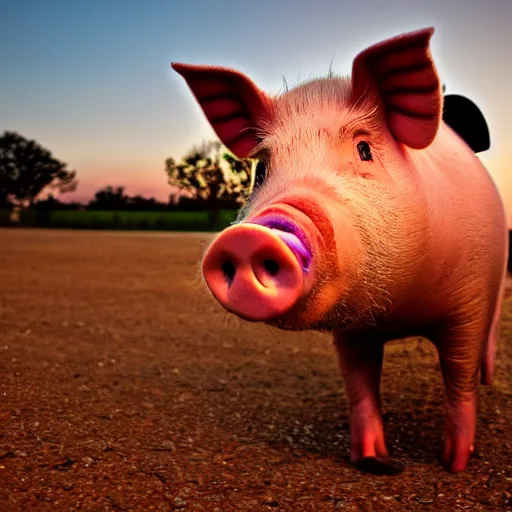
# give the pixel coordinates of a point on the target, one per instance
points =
(458, 223)
(376, 221)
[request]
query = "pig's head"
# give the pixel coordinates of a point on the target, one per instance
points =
(326, 234)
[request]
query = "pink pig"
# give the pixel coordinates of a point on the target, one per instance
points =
(371, 218)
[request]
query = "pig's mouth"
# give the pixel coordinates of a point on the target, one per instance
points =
(291, 234)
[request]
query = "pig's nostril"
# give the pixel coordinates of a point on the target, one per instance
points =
(271, 266)
(229, 270)
(252, 272)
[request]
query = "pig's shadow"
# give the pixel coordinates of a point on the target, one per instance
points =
(313, 418)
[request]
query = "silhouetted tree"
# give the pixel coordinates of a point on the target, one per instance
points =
(45, 207)
(4, 201)
(139, 203)
(212, 176)
(26, 169)
(109, 198)
(53, 204)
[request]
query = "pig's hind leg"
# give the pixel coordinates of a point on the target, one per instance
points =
(489, 354)
(360, 363)
(460, 351)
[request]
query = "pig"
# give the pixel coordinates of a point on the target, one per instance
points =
(371, 218)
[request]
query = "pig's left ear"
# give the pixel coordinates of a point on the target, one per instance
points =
(234, 105)
(402, 73)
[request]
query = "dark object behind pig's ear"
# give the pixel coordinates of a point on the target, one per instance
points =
(467, 120)
(260, 174)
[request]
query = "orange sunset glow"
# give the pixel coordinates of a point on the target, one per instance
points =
(95, 86)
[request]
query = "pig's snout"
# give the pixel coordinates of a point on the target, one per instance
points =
(255, 271)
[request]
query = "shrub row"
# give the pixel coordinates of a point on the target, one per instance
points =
(134, 220)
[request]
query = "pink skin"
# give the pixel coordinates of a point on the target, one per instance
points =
(411, 241)
(255, 272)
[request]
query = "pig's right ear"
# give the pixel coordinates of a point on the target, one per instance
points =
(401, 72)
(235, 107)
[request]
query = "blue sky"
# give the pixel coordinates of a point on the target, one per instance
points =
(91, 80)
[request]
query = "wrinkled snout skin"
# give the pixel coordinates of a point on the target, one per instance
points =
(375, 220)
(256, 272)
(277, 257)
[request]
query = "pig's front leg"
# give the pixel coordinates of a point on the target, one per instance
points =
(360, 362)
(460, 348)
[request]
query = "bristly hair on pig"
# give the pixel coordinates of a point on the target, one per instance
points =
(318, 106)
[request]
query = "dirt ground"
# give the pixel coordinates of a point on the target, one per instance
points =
(123, 386)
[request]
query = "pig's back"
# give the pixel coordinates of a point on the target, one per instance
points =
(466, 238)
(460, 190)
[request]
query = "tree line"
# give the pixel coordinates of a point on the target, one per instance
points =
(208, 178)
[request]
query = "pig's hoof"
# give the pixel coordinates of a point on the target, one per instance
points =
(459, 433)
(379, 466)
(455, 460)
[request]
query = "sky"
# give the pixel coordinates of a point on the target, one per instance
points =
(91, 80)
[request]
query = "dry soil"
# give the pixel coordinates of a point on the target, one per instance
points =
(123, 386)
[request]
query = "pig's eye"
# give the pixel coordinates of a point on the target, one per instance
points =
(260, 173)
(365, 153)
